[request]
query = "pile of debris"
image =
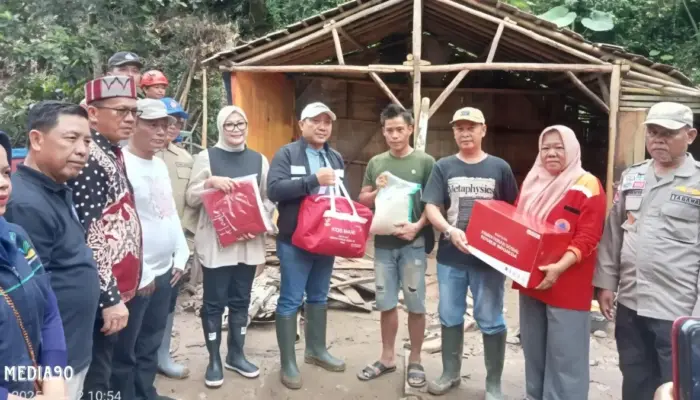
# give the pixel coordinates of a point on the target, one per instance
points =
(352, 288)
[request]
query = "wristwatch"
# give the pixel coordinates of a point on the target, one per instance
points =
(447, 232)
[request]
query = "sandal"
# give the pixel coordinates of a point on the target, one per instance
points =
(415, 376)
(372, 371)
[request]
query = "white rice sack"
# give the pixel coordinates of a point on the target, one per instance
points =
(394, 205)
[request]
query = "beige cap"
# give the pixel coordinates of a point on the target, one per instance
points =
(469, 114)
(670, 115)
(315, 109)
(153, 109)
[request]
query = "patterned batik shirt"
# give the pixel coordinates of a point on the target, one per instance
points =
(105, 205)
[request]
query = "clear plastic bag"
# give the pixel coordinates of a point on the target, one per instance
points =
(394, 205)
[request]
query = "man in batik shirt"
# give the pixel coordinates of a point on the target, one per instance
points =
(105, 205)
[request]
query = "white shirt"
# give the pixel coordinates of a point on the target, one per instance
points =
(164, 243)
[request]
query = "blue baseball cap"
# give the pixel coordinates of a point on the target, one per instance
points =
(174, 108)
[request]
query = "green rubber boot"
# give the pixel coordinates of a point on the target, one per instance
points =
(452, 347)
(286, 334)
(494, 358)
(316, 351)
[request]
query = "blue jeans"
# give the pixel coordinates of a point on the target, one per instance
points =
(402, 268)
(302, 272)
(487, 286)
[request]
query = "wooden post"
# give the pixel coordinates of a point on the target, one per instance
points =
(385, 89)
(205, 115)
(610, 185)
(496, 39)
(417, 45)
(577, 82)
(338, 47)
(447, 92)
(421, 137)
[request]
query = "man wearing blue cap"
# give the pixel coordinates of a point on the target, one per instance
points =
(179, 163)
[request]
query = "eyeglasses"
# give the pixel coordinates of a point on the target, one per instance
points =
(231, 126)
(122, 112)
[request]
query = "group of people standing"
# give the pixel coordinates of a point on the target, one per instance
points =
(95, 226)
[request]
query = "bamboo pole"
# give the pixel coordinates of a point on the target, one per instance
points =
(600, 103)
(385, 89)
(285, 48)
(350, 38)
(647, 78)
(496, 39)
(383, 68)
(204, 108)
(421, 138)
(336, 42)
(417, 40)
(604, 89)
(447, 92)
(612, 132)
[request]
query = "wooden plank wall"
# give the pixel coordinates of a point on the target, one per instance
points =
(514, 123)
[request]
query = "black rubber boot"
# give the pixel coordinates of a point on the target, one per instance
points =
(452, 348)
(214, 377)
(286, 334)
(494, 358)
(235, 359)
(316, 351)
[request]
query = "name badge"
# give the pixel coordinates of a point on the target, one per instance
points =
(633, 181)
(340, 173)
(298, 170)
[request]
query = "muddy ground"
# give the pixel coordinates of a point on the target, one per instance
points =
(354, 336)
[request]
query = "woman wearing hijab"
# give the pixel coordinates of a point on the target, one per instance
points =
(32, 331)
(228, 272)
(554, 320)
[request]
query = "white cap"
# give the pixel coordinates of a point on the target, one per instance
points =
(672, 116)
(153, 109)
(316, 109)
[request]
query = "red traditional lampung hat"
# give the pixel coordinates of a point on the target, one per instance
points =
(110, 86)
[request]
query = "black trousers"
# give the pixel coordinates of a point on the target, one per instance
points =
(136, 352)
(644, 345)
(97, 380)
(173, 296)
(227, 286)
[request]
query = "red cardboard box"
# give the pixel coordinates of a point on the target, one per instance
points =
(514, 243)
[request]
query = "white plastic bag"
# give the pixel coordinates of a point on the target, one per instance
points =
(394, 205)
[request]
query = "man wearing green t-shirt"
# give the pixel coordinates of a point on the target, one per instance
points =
(399, 259)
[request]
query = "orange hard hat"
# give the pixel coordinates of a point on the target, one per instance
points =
(153, 77)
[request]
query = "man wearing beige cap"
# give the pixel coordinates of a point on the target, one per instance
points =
(650, 251)
(165, 253)
(304, 167)
(455, 183)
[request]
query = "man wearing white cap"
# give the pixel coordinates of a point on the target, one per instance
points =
(165, 253)
(650, 251)
(299, 169)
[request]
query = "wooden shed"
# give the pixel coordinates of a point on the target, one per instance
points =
(435, 56)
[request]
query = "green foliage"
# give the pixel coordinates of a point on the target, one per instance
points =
(563, 16)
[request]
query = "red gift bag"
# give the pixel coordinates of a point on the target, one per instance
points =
(333, 225)
(237, 213)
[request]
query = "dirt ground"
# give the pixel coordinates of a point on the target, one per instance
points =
(354, 336)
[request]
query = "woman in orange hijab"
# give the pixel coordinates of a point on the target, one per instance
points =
(554, 318)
